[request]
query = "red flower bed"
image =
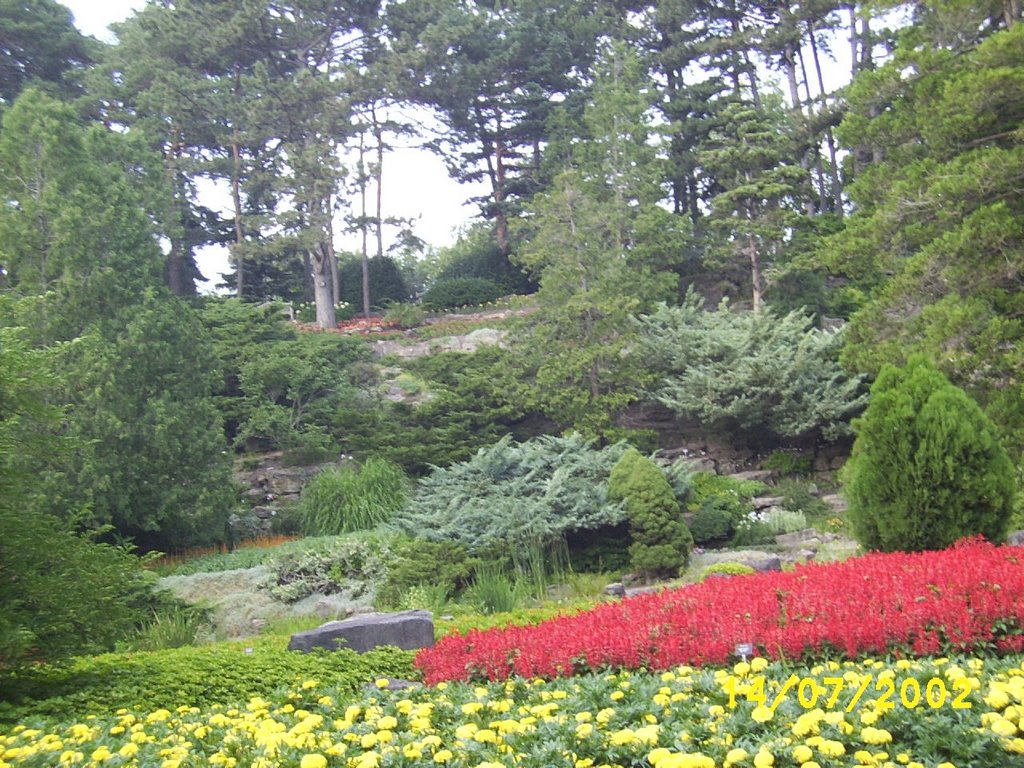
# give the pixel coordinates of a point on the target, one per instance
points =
(969, 597)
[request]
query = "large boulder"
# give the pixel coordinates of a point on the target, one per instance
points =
(407, 630)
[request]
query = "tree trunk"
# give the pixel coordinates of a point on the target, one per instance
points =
(236, 200)
(378, 178)
(322, 296)
(363, 224)
(500, 217)
(177, 270)
(837, 185)
(332, 256)
(756, 280)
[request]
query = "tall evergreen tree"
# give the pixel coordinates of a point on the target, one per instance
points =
(598, 241)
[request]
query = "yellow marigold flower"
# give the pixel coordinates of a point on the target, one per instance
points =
(871, 735)
(716, 710)
(623, 737)
(584, 717)
(387, 723)
(368, 740)
(70, 757)
(129, 750)
(1004, 728)
(762, 714)
(584, 730)
(868, 717)
(758, 664)
(313, 760)
(810, 764)
(945, 765)
(764, 759)
(412, 752)
(997, 698)
(368, 760)
(605, 715)
(586, 762)
(172, 762)
(382, 682)
(830, 748)
(902, 758)
(325, 701)
(737, 755)
(466, 730)
(485, 736)
(741, 668)
(657, 755)
(647, 734)
(863, 757)
(617, 695)
(308, 684)
(802, 753)
(471, 708)
(1014, 745)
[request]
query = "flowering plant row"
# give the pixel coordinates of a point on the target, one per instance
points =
(679, 718)
(969, 597)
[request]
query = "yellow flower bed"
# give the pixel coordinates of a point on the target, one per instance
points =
(754, 714)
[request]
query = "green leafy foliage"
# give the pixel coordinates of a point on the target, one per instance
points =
(404, 315)
(476, 254)
(749, 371)
(516, 494)
(661, 541)
(387, 285)
(151, 458)
(937, 238)
(352, 497)
(727, 569)
(714, 523)
(226, 673)
(60, 593)
(927, 468)
(461, 292)
(419, 563)
(475, 399)
(329, 566)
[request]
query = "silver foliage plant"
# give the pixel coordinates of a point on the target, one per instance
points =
(750, 370)
(517, 493)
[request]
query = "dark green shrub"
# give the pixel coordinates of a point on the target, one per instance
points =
(714, 522)
(927, 468)
(404, 315)
(797, 496)
(600, 550)
(788, 464)
(226, 673)
(476, 254)
(387, 285)
(418, 563)
(661, 541)
(461, 292)
(351, 498)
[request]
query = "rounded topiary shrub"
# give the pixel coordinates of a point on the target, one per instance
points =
(927, 468)
(713, 523)
(661, 541)
(461, 292)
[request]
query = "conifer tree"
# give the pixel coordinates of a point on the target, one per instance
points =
(927, 468)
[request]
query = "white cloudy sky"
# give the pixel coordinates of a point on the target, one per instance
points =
(416, 184)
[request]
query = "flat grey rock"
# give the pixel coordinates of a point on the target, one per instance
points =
(408, 630)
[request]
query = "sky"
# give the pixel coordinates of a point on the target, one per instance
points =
(416, 184)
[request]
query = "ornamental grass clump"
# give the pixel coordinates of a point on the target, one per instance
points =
(349, 498)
